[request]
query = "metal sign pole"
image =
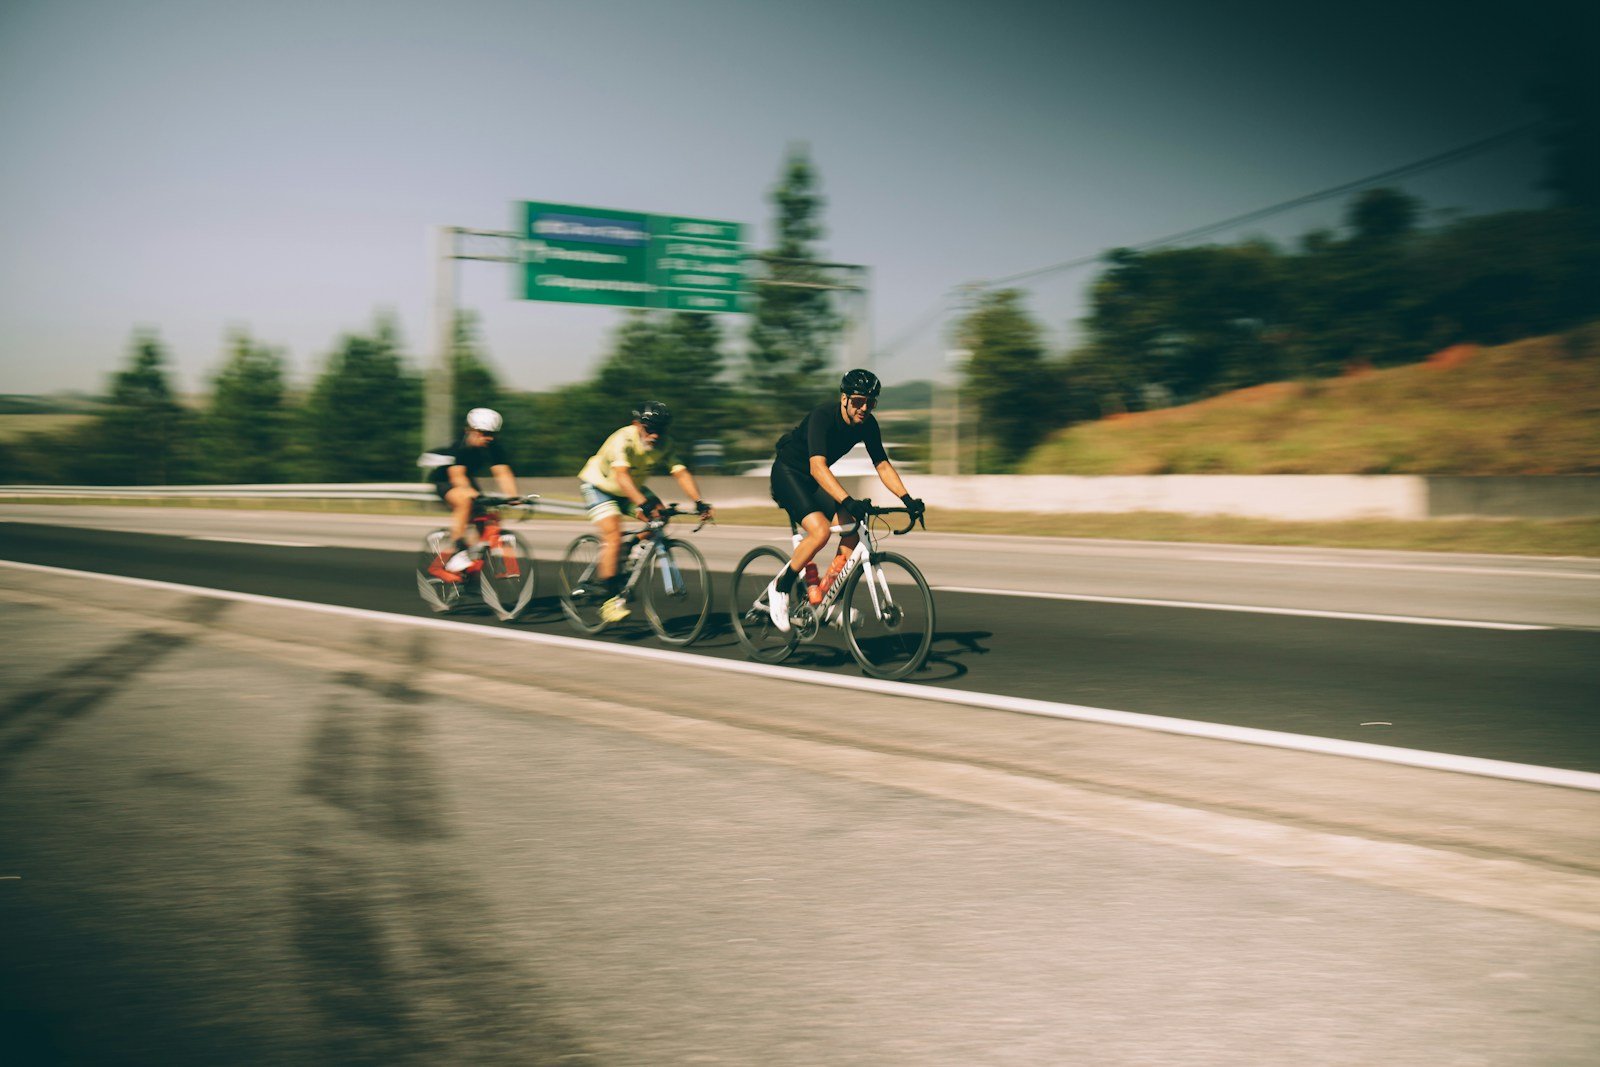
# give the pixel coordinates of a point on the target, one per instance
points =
(438, 408)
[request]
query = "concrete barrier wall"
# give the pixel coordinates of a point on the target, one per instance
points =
(1550, 497)
(1307, 497)
(1317, 498)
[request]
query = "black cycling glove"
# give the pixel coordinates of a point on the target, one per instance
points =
(913, 505)
(856, 509)
(701, 507)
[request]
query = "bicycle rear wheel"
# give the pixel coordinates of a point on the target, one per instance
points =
(887, 616)
(509, 578)
(752, 625)
(581, 592)
(676, 590)
(439, 589)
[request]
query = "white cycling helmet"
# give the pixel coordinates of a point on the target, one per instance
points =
(484, 420)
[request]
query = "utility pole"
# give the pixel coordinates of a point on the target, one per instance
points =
(956, 357)
(949, 382)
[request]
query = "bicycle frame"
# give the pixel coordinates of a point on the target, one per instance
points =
(652, 535)
(860, 556)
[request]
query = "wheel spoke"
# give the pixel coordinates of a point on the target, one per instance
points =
(508, 577)
(581, 594)
(747, 606)
(676, 592)
(888, 617)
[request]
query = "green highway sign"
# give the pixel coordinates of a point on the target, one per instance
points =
(628, 259)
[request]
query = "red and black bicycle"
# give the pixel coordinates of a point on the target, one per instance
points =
(501, 573)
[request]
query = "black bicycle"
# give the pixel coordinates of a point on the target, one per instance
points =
(666, 576)
(880, 601)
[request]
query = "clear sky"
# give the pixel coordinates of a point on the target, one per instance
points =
(198, 165)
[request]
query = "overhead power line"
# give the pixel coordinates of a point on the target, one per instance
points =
(1418, 167)
(1441, 159)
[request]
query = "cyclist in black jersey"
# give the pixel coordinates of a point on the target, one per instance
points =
(455, 468)
(804, 485)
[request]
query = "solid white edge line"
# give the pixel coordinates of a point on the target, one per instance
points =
(251, 541)
(1310, 613)
(1438, 761)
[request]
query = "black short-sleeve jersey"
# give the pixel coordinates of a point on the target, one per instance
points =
(478, 461)
(823, 432)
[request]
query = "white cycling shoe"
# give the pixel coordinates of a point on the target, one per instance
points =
(778, 607)
(459, 562)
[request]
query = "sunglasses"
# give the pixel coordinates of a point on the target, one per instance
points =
(863, 402)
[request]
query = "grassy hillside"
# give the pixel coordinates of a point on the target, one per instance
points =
(22, 427)
(1532, 407)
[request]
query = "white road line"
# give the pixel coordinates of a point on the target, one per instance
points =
(1439, 761)
(1434, 568)
(252, 541)
(1310, 613)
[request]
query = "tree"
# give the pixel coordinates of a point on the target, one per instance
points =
(676, 358)
(1184, 322)
(794, 330)
(247, 428)
(364, 410)
(1359, 296)
(473, 382)
(1006, 373)
(555, 433)
(143, 438)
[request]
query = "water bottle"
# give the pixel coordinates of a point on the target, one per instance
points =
(835, 569)
(637, 552)
(813, 590)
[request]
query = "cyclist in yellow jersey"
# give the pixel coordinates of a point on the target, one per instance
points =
(615, 476)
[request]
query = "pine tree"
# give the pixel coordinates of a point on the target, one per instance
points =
(247, 427)
(144, 436)
(794, 329)
(364, 410)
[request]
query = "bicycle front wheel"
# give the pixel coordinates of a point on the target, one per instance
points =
(752, 624)
(677, 591)
(508, 578)
(886, 611)
(439, 589)
(581, 592)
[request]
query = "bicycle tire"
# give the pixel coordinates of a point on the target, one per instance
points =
(580, 595)
(509, 577)
(889, 638)
(678, 617)
(438, 593)
(747, 607)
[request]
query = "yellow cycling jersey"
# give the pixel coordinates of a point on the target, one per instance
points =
(624, 449)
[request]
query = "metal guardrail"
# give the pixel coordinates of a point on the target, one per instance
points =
(407, 491)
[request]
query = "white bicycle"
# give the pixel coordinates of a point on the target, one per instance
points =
(880, 600)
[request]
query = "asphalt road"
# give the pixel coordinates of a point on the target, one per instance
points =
(1525, 696)
(217, 849)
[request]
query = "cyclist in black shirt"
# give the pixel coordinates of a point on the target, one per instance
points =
(455, 469)
(804, 486)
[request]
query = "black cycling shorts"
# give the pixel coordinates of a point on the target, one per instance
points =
(441, 488)
(799, 494)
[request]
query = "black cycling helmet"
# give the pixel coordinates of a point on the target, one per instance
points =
(653, 416)
(860, 382)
